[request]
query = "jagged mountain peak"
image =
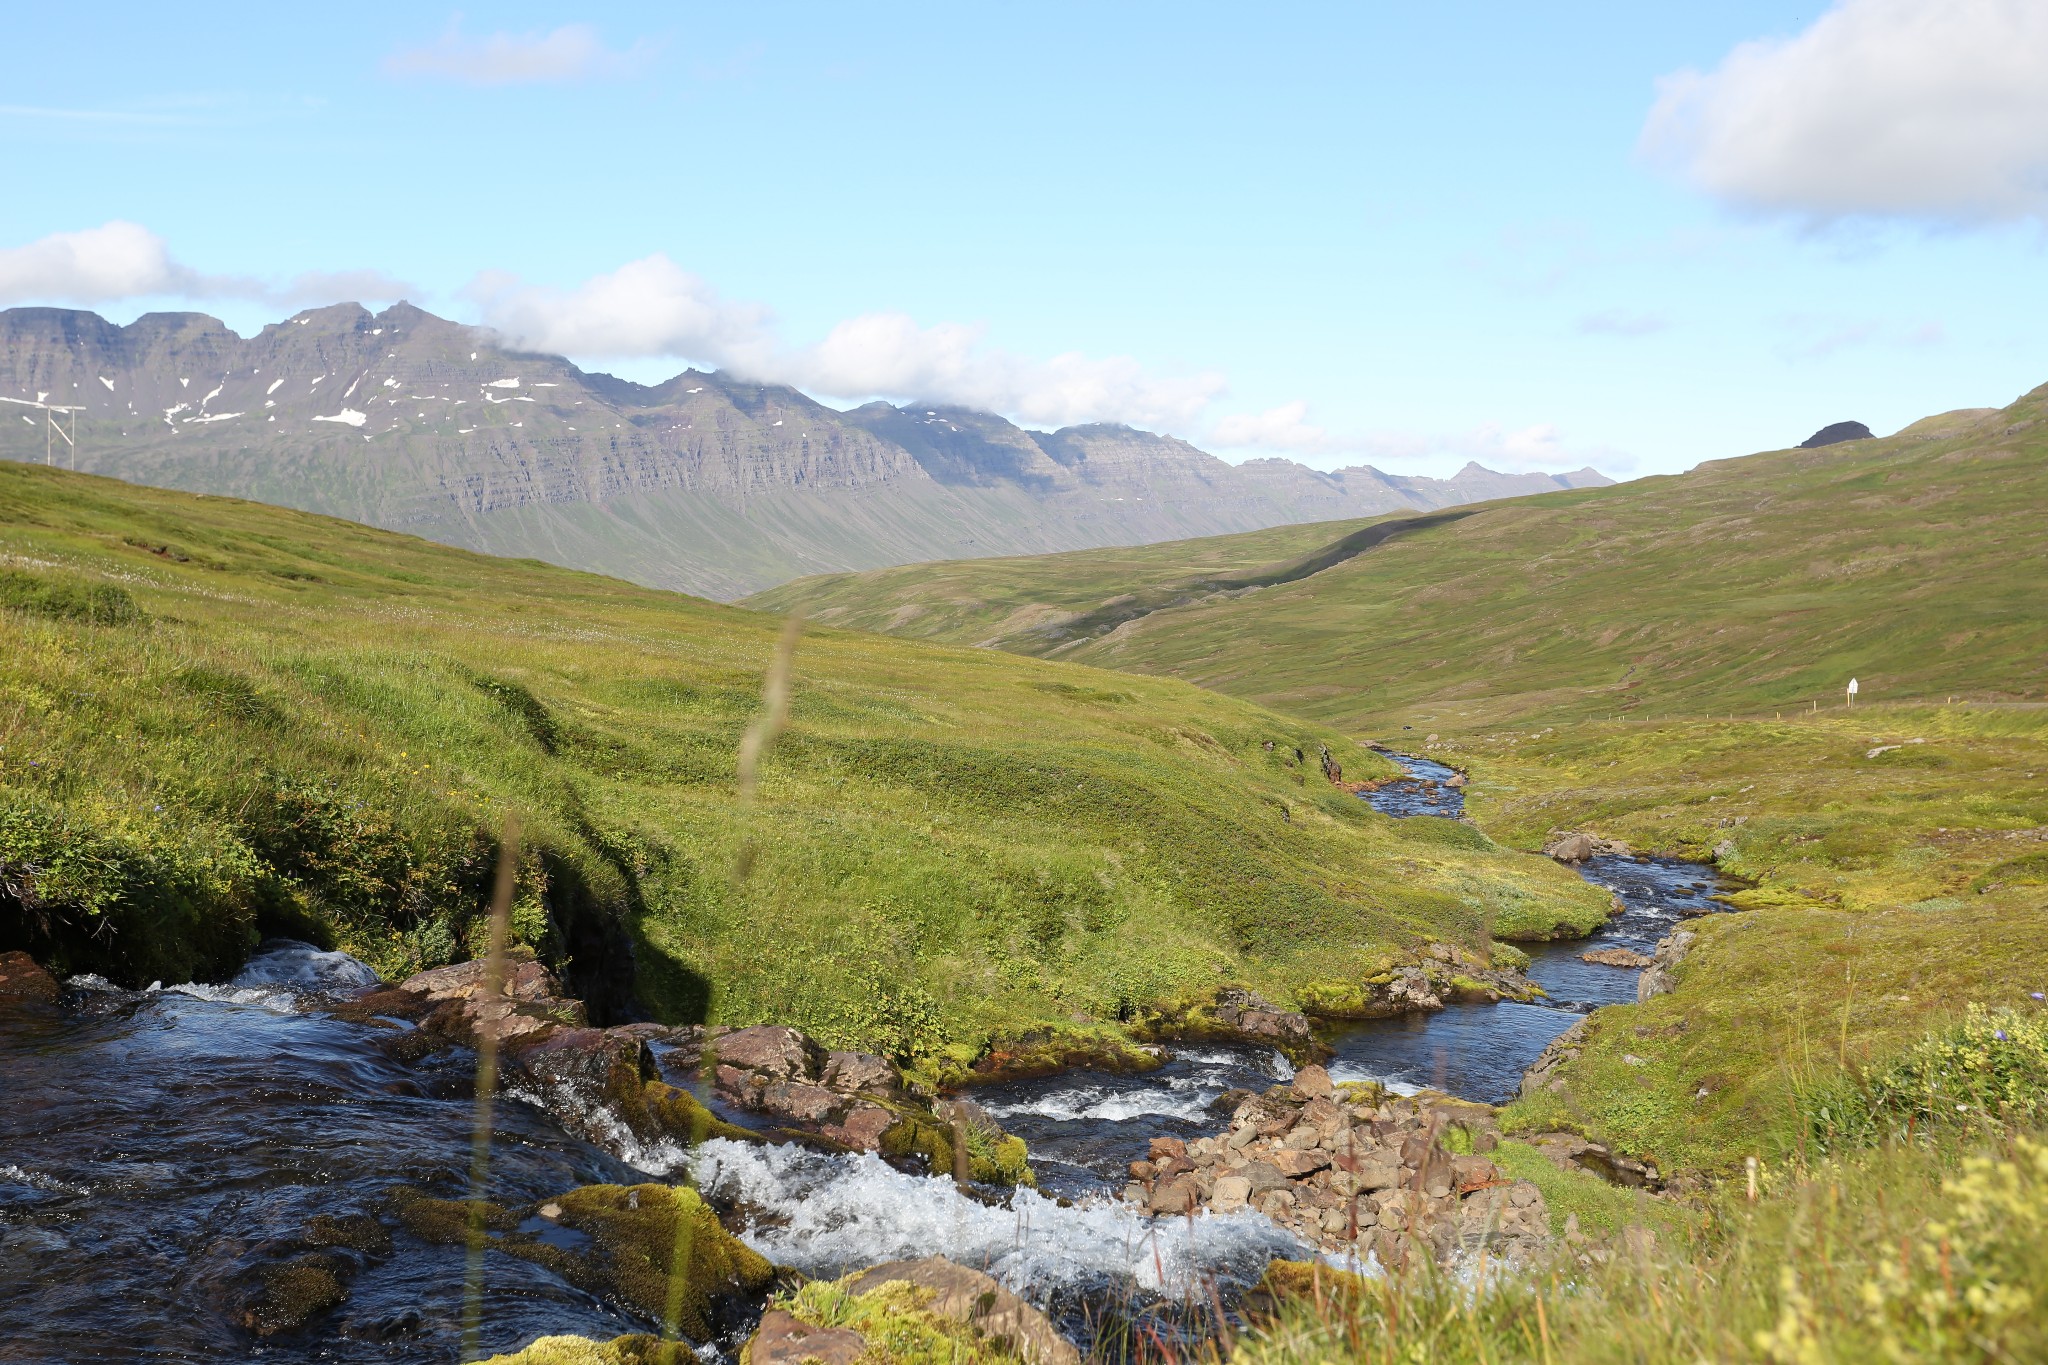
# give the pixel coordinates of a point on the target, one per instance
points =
(708, 482)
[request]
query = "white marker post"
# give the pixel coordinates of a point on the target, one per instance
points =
(1852, 691)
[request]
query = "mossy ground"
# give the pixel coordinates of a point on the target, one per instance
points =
(315, 728)
(1861, 932)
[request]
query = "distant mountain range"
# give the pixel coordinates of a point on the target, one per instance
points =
(704, 483)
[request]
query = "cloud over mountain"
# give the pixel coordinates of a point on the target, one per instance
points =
(122, 260)
(653, 307)
(1924, 109)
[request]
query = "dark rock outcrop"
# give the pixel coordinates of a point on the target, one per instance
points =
(1834, 433)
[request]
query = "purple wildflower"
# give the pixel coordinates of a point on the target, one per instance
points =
(1999, 1034)
(2038, 996)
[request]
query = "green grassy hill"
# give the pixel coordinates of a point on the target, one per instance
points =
(1661, 662)
(219, 719)
(1915, 563)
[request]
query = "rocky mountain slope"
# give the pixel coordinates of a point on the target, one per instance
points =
(704, 483)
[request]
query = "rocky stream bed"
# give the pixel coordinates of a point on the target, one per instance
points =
(275, 1167)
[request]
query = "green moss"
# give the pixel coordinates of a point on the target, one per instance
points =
(915, 1136)
(660, 1248)
(898, 1324)
(998, 1158)
(1509, 956)
(1333, 999)
(680, 1115)
(627, 1350)
(295, 1292)
(446, 1222)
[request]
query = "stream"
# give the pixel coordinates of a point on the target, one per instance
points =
(1479, 1051)
(158, 1148)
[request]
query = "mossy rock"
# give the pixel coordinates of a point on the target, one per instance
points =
(630, 1350)
(679, 1114)
(2031, 870)
(637, 1235)
(1507, 955)
(659, 1248)
(1335, 999)
(1003, 1160)
(1046, 1052)
(913, 1135)
(899, 1325)
(291, 1294)
(446, 1222)
(1312, 1283)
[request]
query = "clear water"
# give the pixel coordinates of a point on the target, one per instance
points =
(1480, 1051)
(1085, 1127)
(158, 1147)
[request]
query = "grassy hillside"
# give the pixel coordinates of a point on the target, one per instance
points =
(219, 718)
(1645, 662)
(1914, 563)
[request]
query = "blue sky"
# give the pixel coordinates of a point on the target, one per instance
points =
(1405, 235)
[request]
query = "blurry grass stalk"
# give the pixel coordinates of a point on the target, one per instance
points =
(754, 746)
(487, 1090)
(761, 735)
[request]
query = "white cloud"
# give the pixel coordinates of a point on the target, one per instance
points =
(1286, 429)
(653, 307)
(1283, 428)
(648, 307)
(116, 260)
(572, 52)
(1925, 109)
(121, 260)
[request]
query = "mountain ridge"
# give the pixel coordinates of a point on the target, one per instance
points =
(706, 482)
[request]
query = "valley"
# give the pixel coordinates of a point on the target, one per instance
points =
(706, 483)
(1106, 861)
